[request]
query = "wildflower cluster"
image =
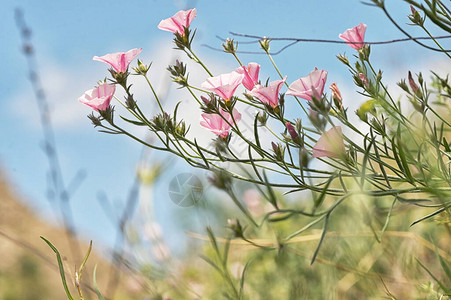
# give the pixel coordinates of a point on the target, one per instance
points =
(403, 153)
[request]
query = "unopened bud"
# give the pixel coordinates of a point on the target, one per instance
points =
(402, 84)
(364, 80)
(262, 117)
(336, 96)
(221, 179)
(304, 158)
(264, 43)
(142, 69)
(415, 17)
(236, 227)
(364, 52)
(294, 135)
(343, 59)
(96, 121)
(278, 150)
(229, 46)
(412, 83)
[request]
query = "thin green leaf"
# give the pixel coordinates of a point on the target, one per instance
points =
(213, 264)
(176, 109)
(446, 145)
(138, 123)
(280, 217)
(61, 268)
(443, 263)
(82, 266)
(365, 160)
(387, 220)
(402, 156)
(442, 286)
(323, 235)
(213, 241)
(243, 276)
(207, 165)
(322, 196)
(272, 197)
(257, 139)
(428, 216)
(225, 254)
(96, 287)
(249, 150)
(376, 151)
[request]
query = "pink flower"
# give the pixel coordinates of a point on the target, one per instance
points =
(120, 60)
(250, 75)
(330, 144)
(269, 94)
(354, 36)
(291, 131)
(98, 98)
(364, 79)
(309, 86)
(179, 21)
(224, 85)
(217, 124)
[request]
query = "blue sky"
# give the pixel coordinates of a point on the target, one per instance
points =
(67, 34)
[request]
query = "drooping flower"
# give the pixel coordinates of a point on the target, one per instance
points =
(178, 22)
(309, 86)
(354, 36)
(330, 144)
(224, 85)
(250, 75)
(119, 60)
(268, 94)
(98, 98)
(217, 124)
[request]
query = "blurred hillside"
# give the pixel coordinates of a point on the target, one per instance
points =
(28, 268)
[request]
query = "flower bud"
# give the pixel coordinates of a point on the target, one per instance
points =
(336, 96)
(221, 179)
(299, 125)
(96, 121)
(120, 77)
(229, 46)
(236, 227)
(130, 102)
(414, 86)
(402, 84)
(107, 114)
(364, 52)
(343, 59)
(264, 44)
(181, 128)
(363, 80)
(294, 135)
(142, 69)
(304, 158)
(415, 17)
(279, 150)
(262, 117)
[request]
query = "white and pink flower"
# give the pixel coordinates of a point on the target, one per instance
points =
(217, 124)
(119, 60)
(178, 22)
(309, 86)
(354, 36)
(98, 98)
